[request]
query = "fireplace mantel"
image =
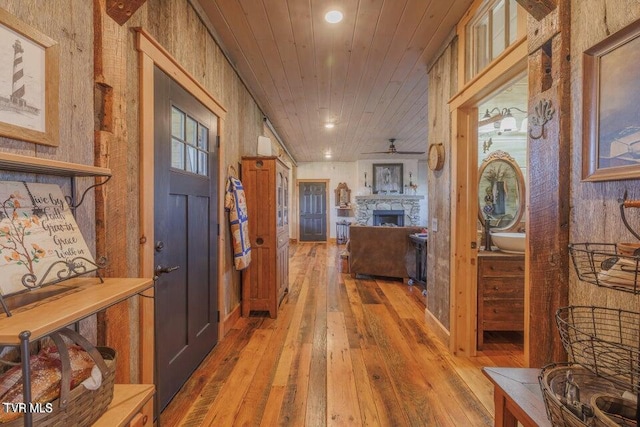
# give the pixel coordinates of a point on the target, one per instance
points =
(389, 197)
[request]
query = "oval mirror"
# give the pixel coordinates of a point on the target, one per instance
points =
(501, 193)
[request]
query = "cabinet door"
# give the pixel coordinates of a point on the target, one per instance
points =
(286, 201)
(283, 268)
(280, 196)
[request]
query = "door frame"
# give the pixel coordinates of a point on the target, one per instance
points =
(326, 203)
(153, 54)
(464, 170)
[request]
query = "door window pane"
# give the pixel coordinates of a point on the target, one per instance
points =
(192, 159)
(177, 123)
(192, 131)
(203, 138)
(177, 154)
(203, 163)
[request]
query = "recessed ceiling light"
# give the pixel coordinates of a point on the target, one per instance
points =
(329, 125)
(327, 155)
(333, 16)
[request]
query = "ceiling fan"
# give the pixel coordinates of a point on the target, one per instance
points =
(393, 150)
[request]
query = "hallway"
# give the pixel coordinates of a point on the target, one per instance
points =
(342, 351)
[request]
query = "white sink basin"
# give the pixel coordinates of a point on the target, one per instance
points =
(509, 242)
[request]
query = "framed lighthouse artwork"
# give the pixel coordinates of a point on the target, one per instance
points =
(29, 74)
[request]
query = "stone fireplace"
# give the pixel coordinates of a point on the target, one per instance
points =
(408, 207)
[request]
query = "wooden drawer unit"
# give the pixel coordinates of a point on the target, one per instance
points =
(500, 293)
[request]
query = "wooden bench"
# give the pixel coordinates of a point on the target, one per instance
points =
(517, 397)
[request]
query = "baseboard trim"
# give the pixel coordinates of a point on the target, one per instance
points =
(438, 328)
(231, 320)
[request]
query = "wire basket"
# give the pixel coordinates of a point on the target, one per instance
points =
(603, 340)
(603, 265)
(568, 389)
(612, 411)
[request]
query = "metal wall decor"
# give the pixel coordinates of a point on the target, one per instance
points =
(543, 114)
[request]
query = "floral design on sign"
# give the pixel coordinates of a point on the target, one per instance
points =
(38, 235)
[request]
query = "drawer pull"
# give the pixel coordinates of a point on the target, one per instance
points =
(259, 241)
(495, 288)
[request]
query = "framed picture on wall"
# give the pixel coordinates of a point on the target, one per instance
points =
(611, 122)
(387, 178)
(29, 76)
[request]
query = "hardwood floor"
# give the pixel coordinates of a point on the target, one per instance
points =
(342, 351)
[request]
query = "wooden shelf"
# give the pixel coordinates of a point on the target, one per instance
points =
(127, 401)
(82, 297)
(28, 164)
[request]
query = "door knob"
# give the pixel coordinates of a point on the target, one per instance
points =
(160, 269)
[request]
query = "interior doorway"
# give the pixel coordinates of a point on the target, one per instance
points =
(501, 177)
(465, 239)
(313, 211)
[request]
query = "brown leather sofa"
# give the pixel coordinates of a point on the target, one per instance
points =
(380, 251)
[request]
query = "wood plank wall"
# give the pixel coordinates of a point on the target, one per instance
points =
(595, 214)
(442, 86)
(65, 22)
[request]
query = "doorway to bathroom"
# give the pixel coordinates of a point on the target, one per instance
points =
(502, 127)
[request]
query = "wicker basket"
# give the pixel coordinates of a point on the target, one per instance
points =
(611, 411)
(83, 406)
(560, 411)
(603, 340)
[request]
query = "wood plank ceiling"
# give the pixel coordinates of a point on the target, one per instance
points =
(366, 74)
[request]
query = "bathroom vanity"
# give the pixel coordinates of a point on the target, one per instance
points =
(500, 293)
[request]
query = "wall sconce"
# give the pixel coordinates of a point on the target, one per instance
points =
(486, 145)
(501, 121)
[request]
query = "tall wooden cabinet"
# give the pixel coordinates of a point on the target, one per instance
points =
(266, 280)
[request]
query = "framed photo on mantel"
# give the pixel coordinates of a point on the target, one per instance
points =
(387, 178)
(611, 123)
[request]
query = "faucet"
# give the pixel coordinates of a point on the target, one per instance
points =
(487, 234)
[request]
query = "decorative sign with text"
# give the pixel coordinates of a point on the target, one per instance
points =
(40, 241)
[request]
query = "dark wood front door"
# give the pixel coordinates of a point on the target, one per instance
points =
(313, 212)
(186, 223)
